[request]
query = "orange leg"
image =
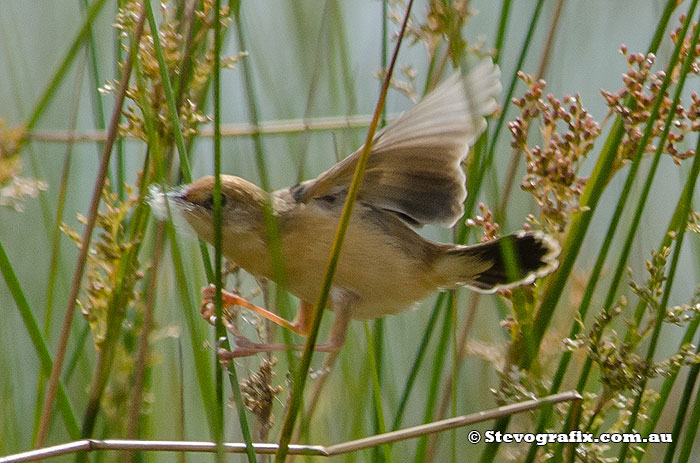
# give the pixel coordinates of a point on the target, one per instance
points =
(301, 325)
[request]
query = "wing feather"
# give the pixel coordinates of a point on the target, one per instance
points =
(415, 166)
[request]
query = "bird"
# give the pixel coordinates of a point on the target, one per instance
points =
(414, 177)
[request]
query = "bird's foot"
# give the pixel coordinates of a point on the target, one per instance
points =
(228, 299)
(242, 347)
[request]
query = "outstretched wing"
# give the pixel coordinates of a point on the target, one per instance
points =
(414, 168)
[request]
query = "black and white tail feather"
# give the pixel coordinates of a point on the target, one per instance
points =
(534, 255)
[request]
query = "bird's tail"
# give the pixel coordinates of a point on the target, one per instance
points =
(512, 260)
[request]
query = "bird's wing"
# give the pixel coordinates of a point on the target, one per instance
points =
(414, 168)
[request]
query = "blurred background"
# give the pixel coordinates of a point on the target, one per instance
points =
(312, 59)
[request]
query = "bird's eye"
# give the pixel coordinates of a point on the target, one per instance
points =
(208, 203)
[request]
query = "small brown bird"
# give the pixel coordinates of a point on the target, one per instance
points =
(414, 177)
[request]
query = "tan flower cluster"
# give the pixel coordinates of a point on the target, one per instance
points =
(105, 260)
(181, 44)
(13, 188)
(485, 221)
(568, 132)
(259, 394)
(642, 84)
(442, 35)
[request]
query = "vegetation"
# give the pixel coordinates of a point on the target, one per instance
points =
(617, 321)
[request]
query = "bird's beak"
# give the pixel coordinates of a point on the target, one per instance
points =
(171, 206)
(165, 204)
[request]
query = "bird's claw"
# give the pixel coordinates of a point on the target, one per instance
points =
(242, 347)
(208, 310)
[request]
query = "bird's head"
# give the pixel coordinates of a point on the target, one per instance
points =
(242, 205)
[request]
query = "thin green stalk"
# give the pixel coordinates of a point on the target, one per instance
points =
(339, 53)
(517, 154)
(477, 159)
(303, 370)
(202, 362)
(142, 371)
(188, 28)
(498, 45)
(376, 347)
(183, 77)
(660, 316)
(376, 394)
(417, 362)
(78, 353)
(680, 414)
(501, 31)
(313, 81)
(345, 60)
(169, 94)
(449, 396)
(692, 430)
(218, 261)
(180, 426)
(38, 341)
(251, 99)
(220, 331)
(54, 261)
(271, 226)
(174, 121)
(155, 148)
(360, 382)
(474, 181)
(385, 48)
(455, 371)
(430, 76)
(438, 363)
(60, 73)
(488, 159)
(118, 52)
(98, 112)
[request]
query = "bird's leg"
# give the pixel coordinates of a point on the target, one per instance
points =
(245, 347)
(299, 325)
